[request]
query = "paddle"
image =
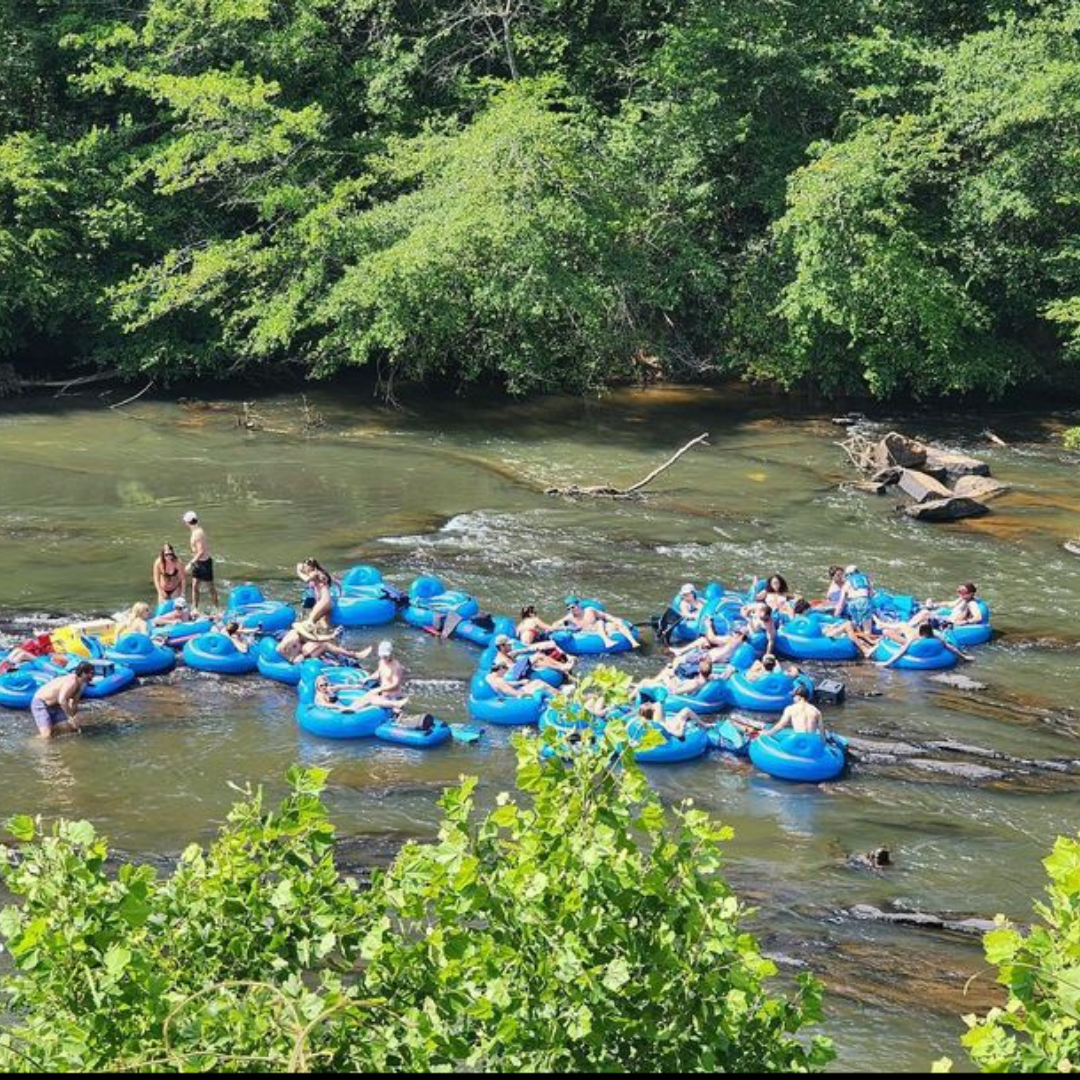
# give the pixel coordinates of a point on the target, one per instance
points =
(465, 733)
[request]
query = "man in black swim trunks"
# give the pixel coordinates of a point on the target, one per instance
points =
(201, 566)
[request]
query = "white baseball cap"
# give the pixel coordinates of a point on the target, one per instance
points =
(852, 569)
(190, 517)
(687, 588)
(502, 639)
(386, 648)
(179, 602)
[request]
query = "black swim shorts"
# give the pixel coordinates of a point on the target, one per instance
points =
(203, 570)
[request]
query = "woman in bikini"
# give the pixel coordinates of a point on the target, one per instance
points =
(168, 574)
(318, 581)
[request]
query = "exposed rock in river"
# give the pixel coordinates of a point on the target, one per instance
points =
(952, 508)
(979, 487)
(921, 487)
(955, 465)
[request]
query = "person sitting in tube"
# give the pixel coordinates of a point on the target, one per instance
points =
(908, 635)
(501, 678)
(690, 604)
(180, 613)
(590, 619)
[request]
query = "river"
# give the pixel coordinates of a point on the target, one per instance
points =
(88, 495)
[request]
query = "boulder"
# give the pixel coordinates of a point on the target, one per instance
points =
(897, 449)
(921, 487)
(979, 487)
(871, 487)
(958, 682)
(951, 509)
(955, 465)
(889, 475)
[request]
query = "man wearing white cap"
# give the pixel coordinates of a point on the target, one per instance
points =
(387, 693)
(690, 604)
(201, 566)
(177, 614)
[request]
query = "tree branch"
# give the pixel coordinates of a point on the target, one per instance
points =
(627, 492)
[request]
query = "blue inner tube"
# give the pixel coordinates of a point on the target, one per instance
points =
(963, 637)
(729, 737)
(793, 755)
(18, 687)
(274, 666)
(142, 654)
(177, 633)
(414, 737)
(803, 638)
(348, 681)
(105, 682)
(216, 653)
(480, 635)
(924, 654)
(363, 605)
(590, 643)
(694, 744)
(332, 724)
(710, 698)
(771, 693)
(269, 616)
(422, 612)
(507, 711)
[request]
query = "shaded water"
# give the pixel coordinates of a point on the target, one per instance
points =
(88, 495)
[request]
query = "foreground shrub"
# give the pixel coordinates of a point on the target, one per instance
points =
(585, 928)
(1038, 1030)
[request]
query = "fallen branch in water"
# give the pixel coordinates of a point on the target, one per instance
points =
(134, 397)
(607, 491)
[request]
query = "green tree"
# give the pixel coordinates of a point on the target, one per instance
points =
(932, 250)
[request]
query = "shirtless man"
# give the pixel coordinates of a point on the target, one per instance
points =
(387, 693)
(800, 716)
(304, 642)
(579, 617)
(56, 704)
(201, 566)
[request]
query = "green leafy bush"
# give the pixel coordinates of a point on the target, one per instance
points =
(1038, 1030)
(585, 927)
(1072, 438)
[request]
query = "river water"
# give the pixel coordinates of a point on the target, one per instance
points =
(87, 496)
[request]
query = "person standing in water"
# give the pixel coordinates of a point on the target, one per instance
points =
(201, 566)
(56, 704)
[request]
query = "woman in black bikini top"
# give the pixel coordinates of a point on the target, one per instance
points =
(168, 574)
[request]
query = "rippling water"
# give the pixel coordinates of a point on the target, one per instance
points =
(88, 495)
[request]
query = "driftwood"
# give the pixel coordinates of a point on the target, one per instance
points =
(134, 397)
(607, 491)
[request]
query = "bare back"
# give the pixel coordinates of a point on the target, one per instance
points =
(200, 546)
(63, 686)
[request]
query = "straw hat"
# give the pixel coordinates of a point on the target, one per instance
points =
(314, 631)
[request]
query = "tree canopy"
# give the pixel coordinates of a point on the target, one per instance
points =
(544, 194)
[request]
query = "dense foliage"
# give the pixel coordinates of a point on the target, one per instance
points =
(544, 193)
(1038, 1028)
(584, 927)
